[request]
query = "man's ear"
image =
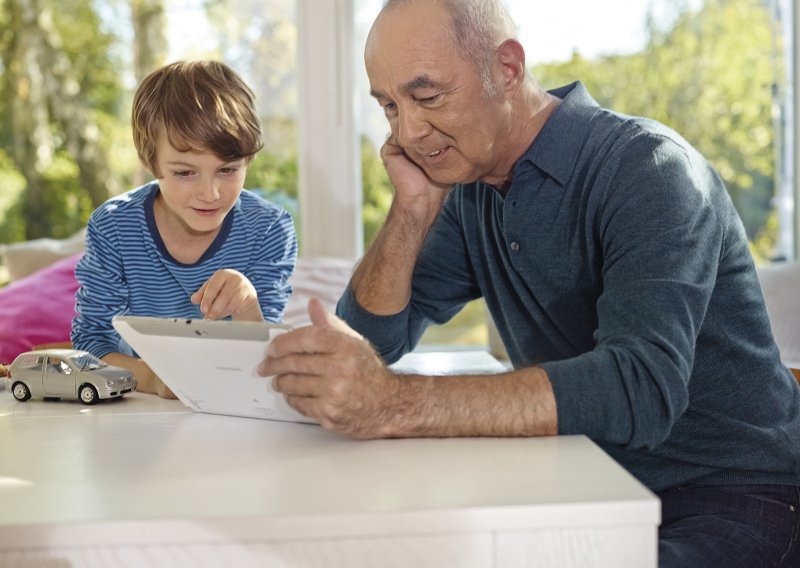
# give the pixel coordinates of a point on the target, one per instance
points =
(511, 58)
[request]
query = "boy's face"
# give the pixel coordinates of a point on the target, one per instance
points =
(197, 188)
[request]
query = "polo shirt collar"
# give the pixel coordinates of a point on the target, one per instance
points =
(557, 147)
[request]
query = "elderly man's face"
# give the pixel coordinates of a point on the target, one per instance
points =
(433, 98)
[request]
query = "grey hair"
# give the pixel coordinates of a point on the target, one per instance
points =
(479, 27)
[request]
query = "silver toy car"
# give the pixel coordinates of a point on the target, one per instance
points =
(67, 373)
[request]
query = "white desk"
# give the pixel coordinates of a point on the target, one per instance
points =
(145, 482)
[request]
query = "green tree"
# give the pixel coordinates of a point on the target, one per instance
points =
(61, 92)
(377, 192)
(711, 76)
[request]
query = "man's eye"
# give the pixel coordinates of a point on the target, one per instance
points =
(429, 100)
(389, 107)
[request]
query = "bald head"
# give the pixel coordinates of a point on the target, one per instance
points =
(477, 27)
(452, 83)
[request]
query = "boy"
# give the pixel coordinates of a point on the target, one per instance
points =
(190, 244)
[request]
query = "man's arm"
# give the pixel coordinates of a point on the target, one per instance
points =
(382, 281)
(329, 373)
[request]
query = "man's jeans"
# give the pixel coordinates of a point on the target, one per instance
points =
(730, 526)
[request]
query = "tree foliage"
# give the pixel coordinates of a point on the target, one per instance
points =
(712, 77)
(60, 89)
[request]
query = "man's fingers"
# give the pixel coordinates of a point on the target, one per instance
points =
(310, 339)
(297, 385)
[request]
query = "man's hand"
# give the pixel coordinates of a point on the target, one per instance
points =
(414, 190)
(228, 293)
(328, 372)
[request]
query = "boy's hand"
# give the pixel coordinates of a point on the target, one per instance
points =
(228, 293)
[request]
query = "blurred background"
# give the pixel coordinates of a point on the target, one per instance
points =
(717, 71)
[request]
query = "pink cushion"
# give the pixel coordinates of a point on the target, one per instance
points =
(38, 308)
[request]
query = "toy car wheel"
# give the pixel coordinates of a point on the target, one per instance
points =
(21, 391)
(88, 394)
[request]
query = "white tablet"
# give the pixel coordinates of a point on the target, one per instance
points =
(211, 365)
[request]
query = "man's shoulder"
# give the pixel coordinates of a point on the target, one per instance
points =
(638, 139)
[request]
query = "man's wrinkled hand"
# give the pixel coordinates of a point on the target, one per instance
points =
(329, 373)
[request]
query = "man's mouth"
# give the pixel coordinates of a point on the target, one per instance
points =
(437, 155)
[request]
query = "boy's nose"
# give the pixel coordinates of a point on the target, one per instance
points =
(209, 190)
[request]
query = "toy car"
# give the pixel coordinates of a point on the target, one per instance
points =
(67, 374)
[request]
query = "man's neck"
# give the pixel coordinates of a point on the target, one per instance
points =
(534, 111)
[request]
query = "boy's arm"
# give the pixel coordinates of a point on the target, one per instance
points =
(273, 266)
(147, 380)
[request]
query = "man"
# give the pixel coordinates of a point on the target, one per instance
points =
(613, 263)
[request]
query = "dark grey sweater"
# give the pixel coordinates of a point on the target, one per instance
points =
(617, 262)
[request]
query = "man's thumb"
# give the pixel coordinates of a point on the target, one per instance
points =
(323, 318)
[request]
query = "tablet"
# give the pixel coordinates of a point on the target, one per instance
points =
(211, 365)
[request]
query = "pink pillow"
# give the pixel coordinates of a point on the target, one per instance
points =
(38, 308)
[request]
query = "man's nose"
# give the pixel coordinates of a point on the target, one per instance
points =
(411, 126)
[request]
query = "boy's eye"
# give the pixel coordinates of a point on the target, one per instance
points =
(183, 173)
(228, 170)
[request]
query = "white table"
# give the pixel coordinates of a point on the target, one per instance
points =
(145, 482)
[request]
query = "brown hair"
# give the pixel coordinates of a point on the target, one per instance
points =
(198, 105)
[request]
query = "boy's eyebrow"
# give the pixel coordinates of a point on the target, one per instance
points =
(418, 82)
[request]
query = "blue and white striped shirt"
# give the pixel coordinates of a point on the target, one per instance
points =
(127, 270)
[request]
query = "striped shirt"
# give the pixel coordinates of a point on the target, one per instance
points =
(127, 269)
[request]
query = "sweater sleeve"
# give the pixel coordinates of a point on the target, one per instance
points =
(274, 263)
(443, 282)
(662, 240)
(102, 292)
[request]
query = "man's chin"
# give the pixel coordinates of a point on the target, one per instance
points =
(441, 177)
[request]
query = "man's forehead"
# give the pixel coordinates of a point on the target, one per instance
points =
(409, 26)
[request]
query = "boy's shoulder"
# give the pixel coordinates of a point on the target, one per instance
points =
(132, 199)
(253, 203)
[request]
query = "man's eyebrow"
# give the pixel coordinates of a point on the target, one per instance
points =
(420, 82)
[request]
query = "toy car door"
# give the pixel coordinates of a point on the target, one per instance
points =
(58, 378)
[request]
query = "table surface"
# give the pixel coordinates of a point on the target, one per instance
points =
(143, 459)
